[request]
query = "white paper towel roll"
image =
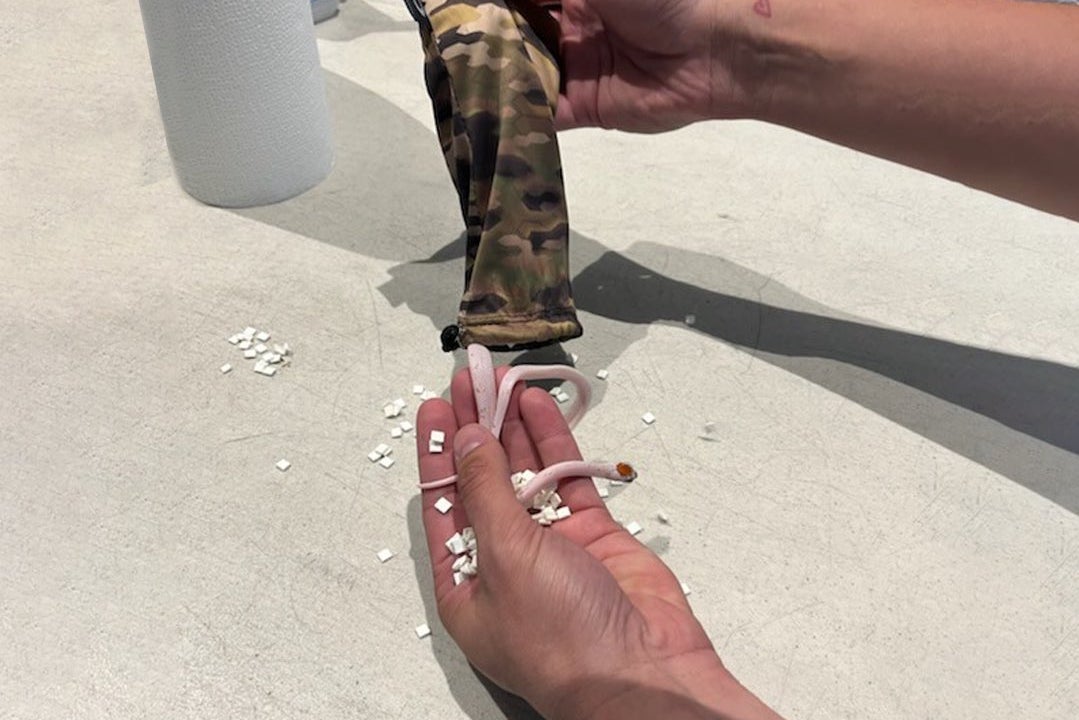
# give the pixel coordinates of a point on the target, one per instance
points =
(242, 97)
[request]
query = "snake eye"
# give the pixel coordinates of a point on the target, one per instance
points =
(626, 471)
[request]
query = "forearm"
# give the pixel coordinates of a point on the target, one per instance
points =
(985, 92)
(692, 688)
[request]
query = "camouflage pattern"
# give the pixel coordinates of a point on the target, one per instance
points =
(494, 83)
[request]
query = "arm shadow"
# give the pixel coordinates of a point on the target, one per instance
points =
(1015, 415)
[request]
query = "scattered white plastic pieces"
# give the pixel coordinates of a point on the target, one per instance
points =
(386, 462)
(685, 589)
(396, 431)
(603, 374)
(428, 395)
(443, 505)
(283, 464)
(392, 410)
(663, 517)
(251, 342)
(384, 554)
(405, 426)
(708, 432)
(633, 527)
(603, 492)
(379, 452)
(422, 631)
(648, 418)
(546, 505)
(434, 444)
(417, 389)
(463, 545)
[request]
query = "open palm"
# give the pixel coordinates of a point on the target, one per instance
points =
(552, 609)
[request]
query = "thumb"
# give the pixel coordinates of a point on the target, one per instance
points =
(483, 482)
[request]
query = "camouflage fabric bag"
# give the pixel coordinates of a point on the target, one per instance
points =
(492, 74)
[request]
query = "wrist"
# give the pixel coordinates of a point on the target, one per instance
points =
(762, 66)
(691, 687)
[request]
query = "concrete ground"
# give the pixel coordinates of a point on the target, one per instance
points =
(885, 525)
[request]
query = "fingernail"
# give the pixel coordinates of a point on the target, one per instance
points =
(468, 439)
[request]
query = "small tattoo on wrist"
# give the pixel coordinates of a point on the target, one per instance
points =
(763, 8)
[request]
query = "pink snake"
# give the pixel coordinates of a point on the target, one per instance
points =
(492, 405)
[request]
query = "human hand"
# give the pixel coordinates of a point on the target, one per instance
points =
(579, 618)
(648, 65)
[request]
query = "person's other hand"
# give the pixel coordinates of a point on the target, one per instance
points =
(646, 65)
(579, 618)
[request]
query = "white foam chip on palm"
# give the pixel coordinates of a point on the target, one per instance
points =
(463, 545)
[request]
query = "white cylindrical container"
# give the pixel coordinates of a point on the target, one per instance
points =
(242, 97)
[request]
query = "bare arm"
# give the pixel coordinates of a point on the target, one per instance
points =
(985, 92)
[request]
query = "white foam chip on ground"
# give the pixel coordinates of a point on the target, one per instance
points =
(386, 462)
(251, 342)
(422, 630)
(603, 374)
(283, 465)
(633, 527)
(384, 554)
(648, 418)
